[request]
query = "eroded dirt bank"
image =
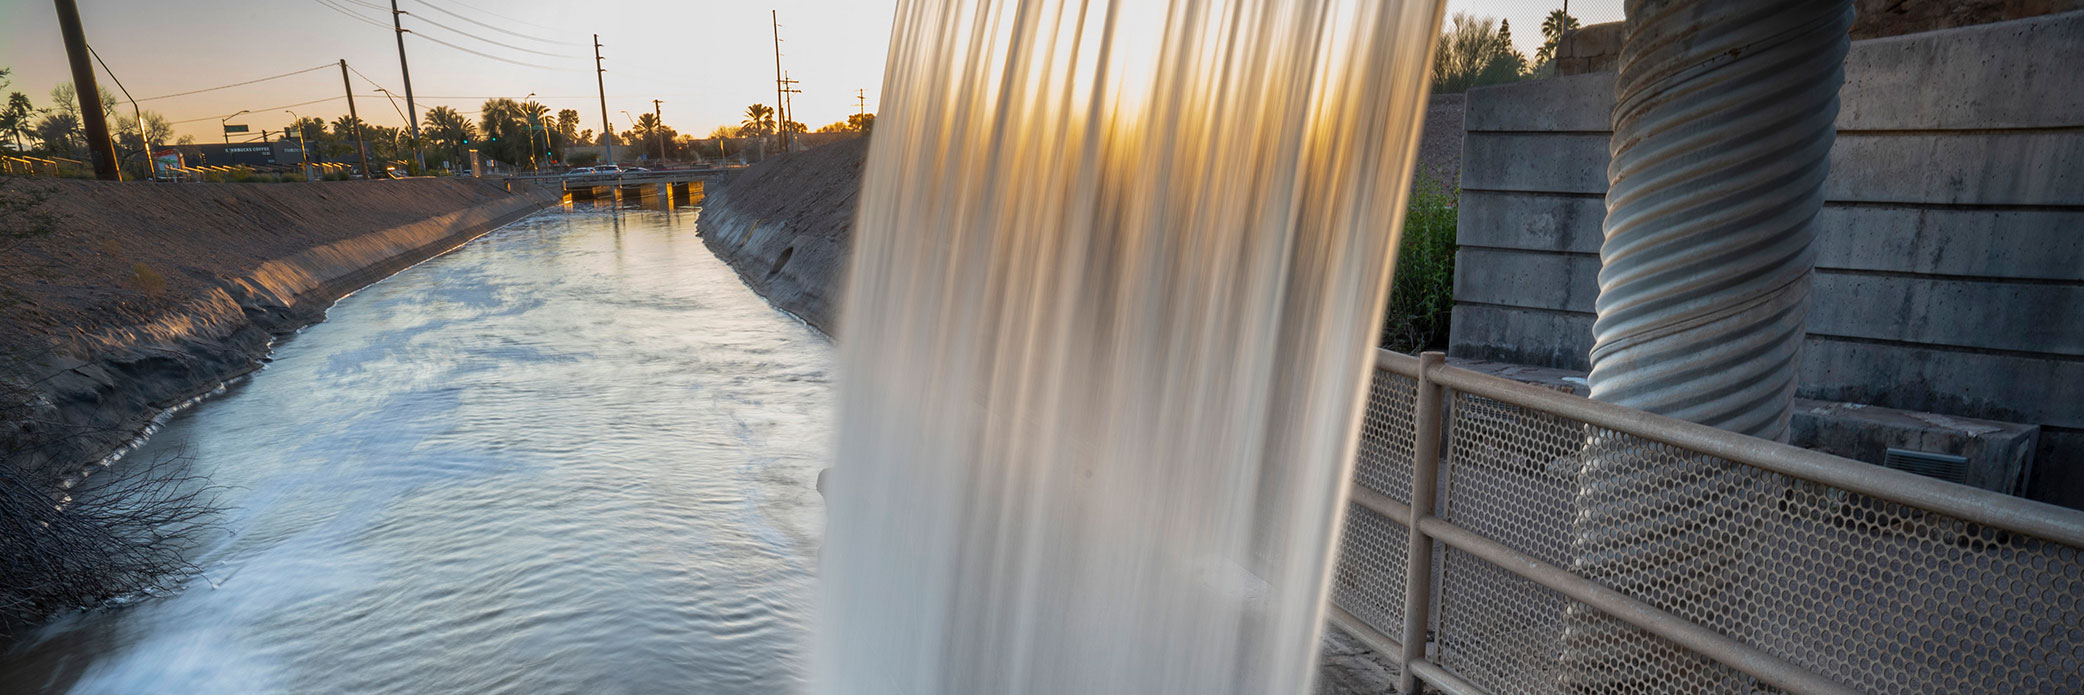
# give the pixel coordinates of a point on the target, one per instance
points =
(143, 296)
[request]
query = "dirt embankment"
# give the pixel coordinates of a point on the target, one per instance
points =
(784, 225)
(143, 296)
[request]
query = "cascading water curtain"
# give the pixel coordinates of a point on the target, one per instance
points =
(1117, 274)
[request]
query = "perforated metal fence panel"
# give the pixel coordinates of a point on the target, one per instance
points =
(1876, 596)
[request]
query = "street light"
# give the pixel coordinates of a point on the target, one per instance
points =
(302, 145)
(222, 121)
(532, 122)
(633, 127)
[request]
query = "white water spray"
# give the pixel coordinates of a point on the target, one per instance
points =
(1117, 271)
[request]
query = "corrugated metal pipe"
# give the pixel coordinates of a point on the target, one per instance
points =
(1722, 138)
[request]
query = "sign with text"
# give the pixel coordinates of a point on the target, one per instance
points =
(229, 128)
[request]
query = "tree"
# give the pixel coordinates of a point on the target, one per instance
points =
(857, 123)
(16, 118)
(450, 131)
(1475, 52)
(646, 125)
(759, 121)
(723, 132)
(653, 134)
(568, 124)
(308, 133)
(536, 119)
(67, 102)
(1552, 30)
(59, 133)
(156, 131)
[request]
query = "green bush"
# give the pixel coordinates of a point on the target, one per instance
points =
(1421, 295)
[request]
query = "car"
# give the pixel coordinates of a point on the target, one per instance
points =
(635, 170)
(607, 169)
(580, 171)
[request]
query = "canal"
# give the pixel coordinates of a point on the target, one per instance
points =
(575, 455)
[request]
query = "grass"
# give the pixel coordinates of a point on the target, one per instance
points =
(1421, 295)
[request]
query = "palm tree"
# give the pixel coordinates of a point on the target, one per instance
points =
(537, 117)
(759, 121)
(450, 129)
(1552, 30)
(15, 118)
(504, 125)
(649, 127)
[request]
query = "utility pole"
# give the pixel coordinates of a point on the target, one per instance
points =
(780, 138)
(658, 124)
(788, 109)
(861, 102)
(600, 81)
(91, 116)
(360, 146)
(412, 116)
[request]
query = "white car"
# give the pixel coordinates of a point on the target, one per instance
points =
(581, 171)
(607, 169)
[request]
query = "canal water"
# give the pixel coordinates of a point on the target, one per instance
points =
(575, 455)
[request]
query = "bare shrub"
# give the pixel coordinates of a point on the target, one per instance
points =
(129, 531)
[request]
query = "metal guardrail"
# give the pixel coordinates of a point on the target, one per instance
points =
(24, 165)
(624, 179)
(1837, 576)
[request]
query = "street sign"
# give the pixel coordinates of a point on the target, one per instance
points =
(229, 128)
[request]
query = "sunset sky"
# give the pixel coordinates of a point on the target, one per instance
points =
(705, 59)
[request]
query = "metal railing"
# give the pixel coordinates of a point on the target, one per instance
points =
(1809, 574)
(24, 165)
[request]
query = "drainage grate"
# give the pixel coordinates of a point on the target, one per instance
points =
(1953, 469)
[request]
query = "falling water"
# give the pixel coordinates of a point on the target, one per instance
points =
(1117, 270)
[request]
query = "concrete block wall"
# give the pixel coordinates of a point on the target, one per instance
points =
(1951, 258)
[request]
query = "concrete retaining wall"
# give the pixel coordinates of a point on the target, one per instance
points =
(1951, 262)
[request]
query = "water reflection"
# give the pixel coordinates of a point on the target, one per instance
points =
(573, 456)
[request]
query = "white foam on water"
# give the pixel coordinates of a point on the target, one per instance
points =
(1117, 273)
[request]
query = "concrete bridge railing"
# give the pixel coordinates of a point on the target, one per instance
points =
(1843, 577)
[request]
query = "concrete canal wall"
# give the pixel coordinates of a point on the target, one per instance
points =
(785, 224)
(1950, 270)
(132, 298)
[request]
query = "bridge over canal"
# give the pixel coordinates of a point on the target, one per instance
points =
(676, 186)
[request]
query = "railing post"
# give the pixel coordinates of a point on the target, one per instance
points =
(1425, 476)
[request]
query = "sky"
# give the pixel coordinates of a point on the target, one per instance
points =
(706, 60)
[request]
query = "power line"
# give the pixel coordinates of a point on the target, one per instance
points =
(466, 18)
(266, 108)
(234, 84)
(481, 54)
(490, 13)
(352, 14)
(423, 19)
(488, 55)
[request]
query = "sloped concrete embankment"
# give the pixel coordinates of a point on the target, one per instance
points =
(785, 224)
(99, 383)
